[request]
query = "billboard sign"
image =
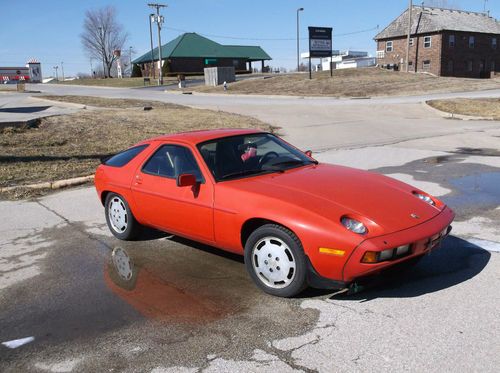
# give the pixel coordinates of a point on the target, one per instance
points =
(320, 41)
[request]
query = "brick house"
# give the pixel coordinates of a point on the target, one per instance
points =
(443, 42)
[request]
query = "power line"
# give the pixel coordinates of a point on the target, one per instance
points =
(269, 39)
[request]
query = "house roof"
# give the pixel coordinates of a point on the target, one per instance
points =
(193, 45)
(250, 52)
(428, 20)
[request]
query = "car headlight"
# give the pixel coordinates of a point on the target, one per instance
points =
(425, 198)
(353, 225)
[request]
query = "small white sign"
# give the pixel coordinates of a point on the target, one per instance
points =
(320, 45)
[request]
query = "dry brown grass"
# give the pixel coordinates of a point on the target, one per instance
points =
(68, 146)
(478, 107)
(365, 82)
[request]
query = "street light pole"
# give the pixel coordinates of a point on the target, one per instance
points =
(151, 20)
(159, 21)
(62, 70)
(298, 39)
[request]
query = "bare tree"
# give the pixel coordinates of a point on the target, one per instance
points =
(101, 35)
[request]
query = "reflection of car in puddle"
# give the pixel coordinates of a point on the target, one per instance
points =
(154, 297)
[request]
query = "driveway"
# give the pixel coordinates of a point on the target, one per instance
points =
(184, 307)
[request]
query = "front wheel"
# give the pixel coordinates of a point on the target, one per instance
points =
(275, 260)
(120, 220)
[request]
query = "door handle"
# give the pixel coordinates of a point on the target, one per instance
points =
(138, 179)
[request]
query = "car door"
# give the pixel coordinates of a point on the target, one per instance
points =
(186, 211)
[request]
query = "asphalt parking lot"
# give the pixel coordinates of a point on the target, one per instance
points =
(89, 302)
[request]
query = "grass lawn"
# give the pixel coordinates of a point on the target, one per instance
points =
(480, 107)
(68, 146)
(124, 82)
(365, 82)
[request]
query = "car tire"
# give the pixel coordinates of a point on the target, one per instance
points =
(119, 217)
(275, 260)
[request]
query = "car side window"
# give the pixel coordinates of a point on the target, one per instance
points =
(171, 161)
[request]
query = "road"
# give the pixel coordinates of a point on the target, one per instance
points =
(189, 308)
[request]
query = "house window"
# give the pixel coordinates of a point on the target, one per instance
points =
(427, 41)
(411, 42)
(388, 46)
(451, 41)
(410, 63)
(450, 66)
(494, 43)
(470, 66)
(472, 41)
(426, 65)
(381, 54)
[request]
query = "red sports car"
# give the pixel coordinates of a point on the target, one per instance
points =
(296, 221)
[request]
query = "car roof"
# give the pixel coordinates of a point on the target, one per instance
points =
(199, 136)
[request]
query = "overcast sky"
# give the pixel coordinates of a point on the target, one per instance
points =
(49, 29)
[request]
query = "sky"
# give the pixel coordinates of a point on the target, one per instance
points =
(49, 30)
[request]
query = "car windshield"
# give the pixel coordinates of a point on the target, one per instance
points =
(249, 155)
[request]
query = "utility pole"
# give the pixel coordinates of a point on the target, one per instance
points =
(410, 6)
(151, 20)
(298, 39)
(62, 70)
(159, 21)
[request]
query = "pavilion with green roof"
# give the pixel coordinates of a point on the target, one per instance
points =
(190, 53)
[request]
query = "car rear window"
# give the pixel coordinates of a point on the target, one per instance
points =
(122, 158)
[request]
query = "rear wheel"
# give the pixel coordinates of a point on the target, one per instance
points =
(275, 260)
(120, 220)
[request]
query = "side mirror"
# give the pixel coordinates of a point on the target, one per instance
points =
(185, 180)
(309, 153)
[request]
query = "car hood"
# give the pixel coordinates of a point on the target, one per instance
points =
(333, 191)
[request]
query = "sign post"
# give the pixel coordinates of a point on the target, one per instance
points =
(320, 44)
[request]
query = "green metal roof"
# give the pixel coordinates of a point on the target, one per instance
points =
(250, 52)
(193, 45)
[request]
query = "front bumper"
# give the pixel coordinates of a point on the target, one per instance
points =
(423, 238)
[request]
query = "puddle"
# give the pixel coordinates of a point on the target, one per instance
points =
(478, 190)
(172, 295)
(153, 297)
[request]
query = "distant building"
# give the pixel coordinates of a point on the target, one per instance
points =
(344, 60)
(32, 72)
(443, 42)
(190, 53)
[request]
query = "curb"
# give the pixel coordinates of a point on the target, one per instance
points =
(52, 185)
(448, 115)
